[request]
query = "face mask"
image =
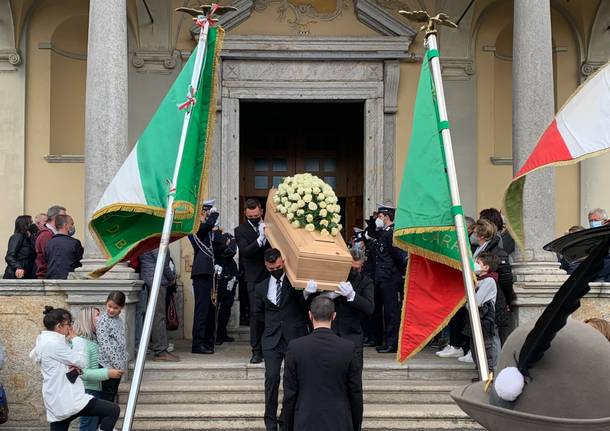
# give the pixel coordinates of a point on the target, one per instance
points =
(473, 239)
(477, 268)
(596, 223)
(358, 245)
(379, 224)
(277, 273)
(72, 231)
(254, 221)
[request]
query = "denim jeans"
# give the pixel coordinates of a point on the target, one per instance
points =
(90, 423)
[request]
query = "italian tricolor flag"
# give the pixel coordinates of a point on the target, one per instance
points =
(129, 217)
(424, 226)
(581, 129)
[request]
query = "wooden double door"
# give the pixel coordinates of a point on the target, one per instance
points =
(324, 139)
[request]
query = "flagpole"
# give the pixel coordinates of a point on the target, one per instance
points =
(204, 22)
(475, 320)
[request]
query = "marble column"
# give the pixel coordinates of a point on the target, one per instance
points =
(106, 127)
(106, 145)
(537, 274)
(533, 110)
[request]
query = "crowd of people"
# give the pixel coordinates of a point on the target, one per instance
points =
(84, 361)
(43, 248)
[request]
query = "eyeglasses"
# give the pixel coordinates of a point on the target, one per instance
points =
(70, 323)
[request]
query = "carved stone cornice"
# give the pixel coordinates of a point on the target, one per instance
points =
(233, 19)
(457, 69)
(590, 67)
(154, 61)
(371, 14)
(11, 56)
(315, 48)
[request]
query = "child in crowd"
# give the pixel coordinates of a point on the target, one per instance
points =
(110, 331)
(93, 375)
(486, 292)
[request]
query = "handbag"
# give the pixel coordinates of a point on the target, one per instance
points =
(3, 405)
(171, 314)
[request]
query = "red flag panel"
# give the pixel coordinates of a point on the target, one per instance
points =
(433, 294)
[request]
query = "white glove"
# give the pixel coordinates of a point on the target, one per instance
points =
(312, 287)
(346, 289)
(261, 234)
(218, 269)
(331, 295)
(213, 210)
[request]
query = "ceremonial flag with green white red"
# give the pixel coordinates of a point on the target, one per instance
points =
(580, 130)
(129, 217)
(424, 226)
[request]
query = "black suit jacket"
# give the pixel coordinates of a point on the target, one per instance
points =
(288, 320)
(322, 384)
(250, 253)
(348, 323)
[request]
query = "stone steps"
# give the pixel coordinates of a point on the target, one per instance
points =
(241, 370)
(252, 391)
(225, 392)
(248, 417)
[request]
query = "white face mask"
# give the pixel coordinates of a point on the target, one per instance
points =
(477, 268)
(473, 239)
(379, 223)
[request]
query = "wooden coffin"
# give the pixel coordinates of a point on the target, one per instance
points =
(307, 255)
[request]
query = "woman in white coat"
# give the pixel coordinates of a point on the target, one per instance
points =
(61, 364)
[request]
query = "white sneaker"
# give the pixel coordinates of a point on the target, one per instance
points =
(467, 358)
(452, 352)
(170, 347)
(447, 347)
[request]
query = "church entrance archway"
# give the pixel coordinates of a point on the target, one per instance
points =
(326, 139)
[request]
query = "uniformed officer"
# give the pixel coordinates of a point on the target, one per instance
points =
(389, 261)
(226, 281)
(206, 242)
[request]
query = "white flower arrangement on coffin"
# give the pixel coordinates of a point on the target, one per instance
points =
(308, 202)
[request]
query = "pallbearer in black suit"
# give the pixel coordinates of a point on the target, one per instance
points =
(252, 243)
(322, 378)
(354, 302)
(284, 310)
(206, 243)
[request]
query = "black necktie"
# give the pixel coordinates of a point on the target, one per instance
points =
(278, 291)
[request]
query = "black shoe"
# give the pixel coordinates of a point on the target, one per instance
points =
(386, 349)
(255, 359)
(370, 343)
(225, 339)
(475, 379)
(202, 350)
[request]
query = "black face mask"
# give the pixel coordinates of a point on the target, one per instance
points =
(277, 273)
(254, 220)
(354, 273)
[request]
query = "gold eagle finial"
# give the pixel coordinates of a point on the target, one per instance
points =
(431, 22)
(205, 9)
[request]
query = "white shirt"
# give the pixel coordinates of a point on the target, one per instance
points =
(272, 291)
(486, 291)
(62, 399)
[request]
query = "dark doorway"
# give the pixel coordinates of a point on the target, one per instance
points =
(324, 139)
